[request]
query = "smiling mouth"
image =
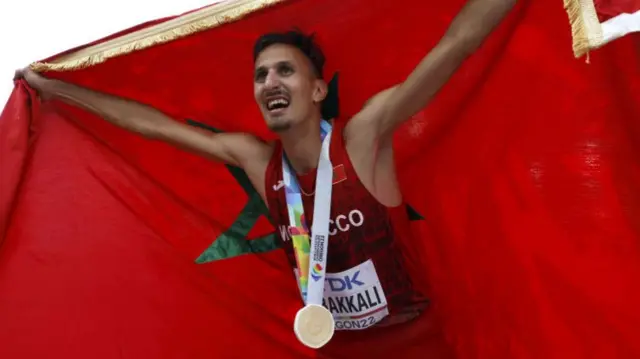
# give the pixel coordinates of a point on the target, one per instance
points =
(277, 104)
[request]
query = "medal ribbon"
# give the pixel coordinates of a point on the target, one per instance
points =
(311, 255)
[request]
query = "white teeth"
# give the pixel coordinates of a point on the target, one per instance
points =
(279, 101)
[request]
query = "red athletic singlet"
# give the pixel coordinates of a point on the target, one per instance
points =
(361, 235)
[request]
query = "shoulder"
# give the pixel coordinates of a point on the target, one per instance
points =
(254, 160)
(255, 150)
(363, 125)
(250, 148)
(370, 154)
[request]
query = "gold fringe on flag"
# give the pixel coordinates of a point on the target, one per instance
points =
(203, 19)
(586, 32)
(585, 26)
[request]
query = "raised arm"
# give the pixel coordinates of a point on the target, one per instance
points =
(468, 30)
(232, 148)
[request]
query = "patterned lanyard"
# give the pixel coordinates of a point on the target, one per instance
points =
(298, 229)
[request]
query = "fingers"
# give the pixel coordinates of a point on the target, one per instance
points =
(21, 73)
(18, 75)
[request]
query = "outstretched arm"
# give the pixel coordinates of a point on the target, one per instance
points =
(232, 148)
(466, 33)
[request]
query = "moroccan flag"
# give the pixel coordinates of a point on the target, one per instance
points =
(595, 23)
(522, 179)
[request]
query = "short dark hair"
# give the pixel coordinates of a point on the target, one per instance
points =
(297, 39)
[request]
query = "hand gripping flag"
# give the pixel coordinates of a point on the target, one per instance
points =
(522, 180)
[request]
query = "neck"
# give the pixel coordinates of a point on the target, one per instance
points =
(302, 145)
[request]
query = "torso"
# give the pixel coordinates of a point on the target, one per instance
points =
(364, 234)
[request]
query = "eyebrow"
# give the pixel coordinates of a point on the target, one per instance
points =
(283, 62)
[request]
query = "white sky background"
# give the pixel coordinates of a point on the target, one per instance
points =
(32, 30)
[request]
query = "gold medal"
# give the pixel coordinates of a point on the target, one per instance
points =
(314, 326)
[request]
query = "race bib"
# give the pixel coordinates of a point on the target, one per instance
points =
(355, 297)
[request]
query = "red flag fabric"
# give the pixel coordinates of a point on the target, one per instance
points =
(607, 9)
(523, 181)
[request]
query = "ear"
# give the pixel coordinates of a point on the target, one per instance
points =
(320, 91)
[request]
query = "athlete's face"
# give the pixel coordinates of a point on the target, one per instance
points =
(285, 87)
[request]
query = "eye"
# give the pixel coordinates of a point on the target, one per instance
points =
(285, 69)
(260, 75)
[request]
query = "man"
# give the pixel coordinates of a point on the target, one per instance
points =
(366, 217)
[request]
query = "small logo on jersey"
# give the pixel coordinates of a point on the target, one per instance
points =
(316, 271)
(277, 187)
(339, 174)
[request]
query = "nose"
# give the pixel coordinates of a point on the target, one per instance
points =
(272, 81)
